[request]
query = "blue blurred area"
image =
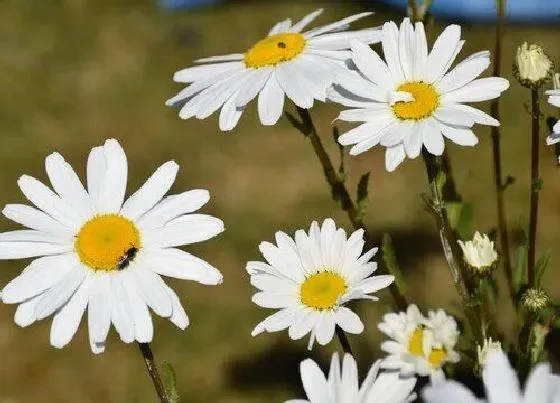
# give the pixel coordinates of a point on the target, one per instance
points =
(523, 11)
(176, 4)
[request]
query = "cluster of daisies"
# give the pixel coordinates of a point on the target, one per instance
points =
(94, 250)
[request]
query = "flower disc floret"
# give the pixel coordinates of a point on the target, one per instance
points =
(275, 49)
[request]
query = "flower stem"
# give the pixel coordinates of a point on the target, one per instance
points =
(340, 193)
(535, 186)
(153, 371)
(343, 340)
(496, 151)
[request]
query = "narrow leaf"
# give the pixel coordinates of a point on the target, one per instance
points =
(170, 382)
(519, 268)
(390, 260)
(540, 268)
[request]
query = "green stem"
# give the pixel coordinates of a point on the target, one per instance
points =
(339, 192)
(153, 372)
(535, 187)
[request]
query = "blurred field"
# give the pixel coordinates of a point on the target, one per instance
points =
(75, 72)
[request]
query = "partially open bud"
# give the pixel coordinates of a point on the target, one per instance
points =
(488, 347)
(479, 253)
(535, 299)
(532, 66)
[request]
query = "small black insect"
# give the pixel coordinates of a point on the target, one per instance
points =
(281, 45)
(128, 256)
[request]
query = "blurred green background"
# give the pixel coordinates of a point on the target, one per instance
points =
(75, 72)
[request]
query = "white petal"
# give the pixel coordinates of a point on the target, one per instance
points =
(481, 89)
(421, 53)
(230, 114)
(443, 53)
(121, 312)
(172, 207)
(276, 322)
(476, 115)
(348, 320)
(407, 49)
(413, 142)
(325, 328)
(66, 183)
(433, 140)
(304, 323)
(391, 51)
(152, 289)
(300, 25)
(22, 250)
(196, 73)
(179, 264)
(464, 72)
(184, 230)
(25, 312)
(221, 58)
(335, 26)
(361, 87)
(66, 322)
(371, 65)
(271, 102)
(40, 275)
(293, 85)
(339, 41)
(448, 391)
(282, 26)
(393, 157)
(253, 86)
(151, 191)
(375, 283)
(143, 327)
(32, 236)
(500, 380)
(178, 317)
(30, 217)
(61, 292)
(99, 307)
(96, 167)
(459, 135)
(314, 382)
(274, 300)
(539, 384)
(115, 178)
(373, 129)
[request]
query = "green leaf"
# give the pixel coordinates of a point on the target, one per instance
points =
(540, 268)
(519, 268)
(460, 217)
(362, 198)
(440, 179)
(341, 170)
(390, 260)
(170, 382)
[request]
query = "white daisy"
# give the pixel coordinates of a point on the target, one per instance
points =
(342, 385)
(94, 249)
(311, 278)
(502, 385)
(411, 99)
(479, 253)
(554, 100)
(287, 62)
(420, 345)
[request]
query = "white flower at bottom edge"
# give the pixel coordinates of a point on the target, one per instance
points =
(420, 345)
(412, 99)
(97, 251)
(288, 62)
(501, 384)
(311, 278)
(342, 385)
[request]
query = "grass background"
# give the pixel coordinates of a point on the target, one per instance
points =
(75, 72)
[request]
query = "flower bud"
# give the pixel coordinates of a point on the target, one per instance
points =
(532, 66)
(488, 347)
(479, 253)
(535, 299)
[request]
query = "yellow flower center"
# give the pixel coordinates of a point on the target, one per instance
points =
(274, 49)
(426, 100)
(322, 290)
(436, 357)
(105, 241)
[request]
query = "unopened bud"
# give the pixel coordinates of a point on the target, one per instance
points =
(532, 66)
(479, 253)
(535, 299)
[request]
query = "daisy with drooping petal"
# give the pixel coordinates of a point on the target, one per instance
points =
(288, 62)
(310, 278)
(502, 385)
(342, 384)
(411, 99)
(95, 250)
(420, 345)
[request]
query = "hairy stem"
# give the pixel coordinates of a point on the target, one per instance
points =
(343, 340)
(535, 187)
(496, 151)
(340, 193)
(153, 371)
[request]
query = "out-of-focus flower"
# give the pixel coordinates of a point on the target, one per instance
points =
(343, 385)
(535, 299)
(487, 348)
(310, 278)
(532, 66)
(501, 384)
(287, 62)
(97, 251)
(411, 99)
(479, 253)
(554, 100)
(420, 345)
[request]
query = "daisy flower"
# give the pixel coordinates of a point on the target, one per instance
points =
(92, 249)
(412, 99)
(310, 279)
(420, 345)
(342, 385)
(554, 100)
(502, 385)
(300, 65)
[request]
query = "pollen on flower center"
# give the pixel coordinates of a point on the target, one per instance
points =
(103, 241)
(416, 346)
(274, 49)
(426, 100)
(322, 290)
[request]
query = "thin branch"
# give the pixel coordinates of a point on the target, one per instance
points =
(153, 372)
(339, 192)
(535, 187)
(496, 152)
(343, 340)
